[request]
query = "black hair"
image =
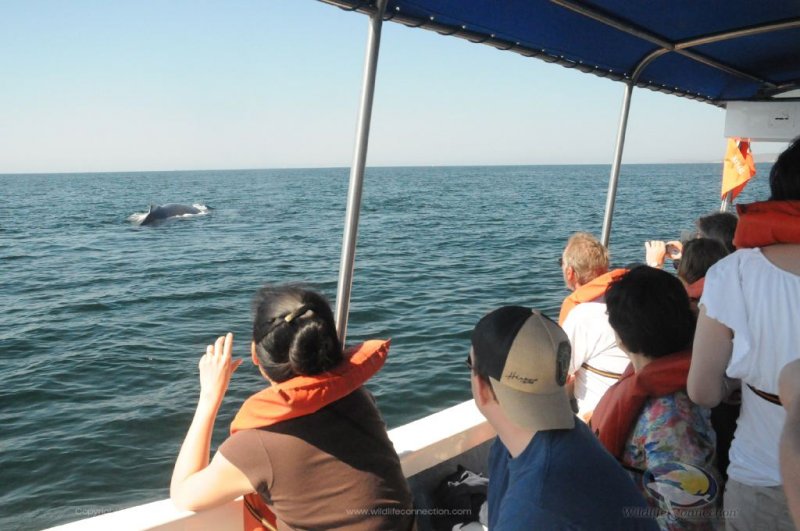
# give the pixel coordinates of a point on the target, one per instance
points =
(294, 332)
(698, 255)
(720, 226)
(784, 178)
(649, 310)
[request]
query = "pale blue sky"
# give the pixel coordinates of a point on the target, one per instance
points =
(187, 84)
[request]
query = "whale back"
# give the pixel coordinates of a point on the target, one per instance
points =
(158, 213)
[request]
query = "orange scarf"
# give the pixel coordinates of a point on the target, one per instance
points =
(301, 396)
(766, 223)
(590, 291)
(619, 409)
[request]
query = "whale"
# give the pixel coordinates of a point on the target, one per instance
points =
(159, 213)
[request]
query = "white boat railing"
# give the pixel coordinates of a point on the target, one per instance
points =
(163, 516)
(424, 443)
(421, 445)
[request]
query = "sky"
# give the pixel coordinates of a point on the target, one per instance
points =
(98, 85)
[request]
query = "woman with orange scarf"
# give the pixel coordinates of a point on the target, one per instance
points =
(646, 419)
(308, 452)
(747, 331)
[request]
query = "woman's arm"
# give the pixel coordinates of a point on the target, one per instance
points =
(196, 484)
(713, 344)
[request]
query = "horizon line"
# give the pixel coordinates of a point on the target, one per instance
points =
(101, 172)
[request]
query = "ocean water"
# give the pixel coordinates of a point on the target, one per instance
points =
(104, 320)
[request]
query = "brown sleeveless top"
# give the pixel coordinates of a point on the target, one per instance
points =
(333, 469)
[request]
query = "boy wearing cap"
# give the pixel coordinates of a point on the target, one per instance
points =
(546, 471)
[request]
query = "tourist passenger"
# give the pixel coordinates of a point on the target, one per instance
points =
(718, 226)
(698, 256)
(313, 446)
(647, 419)
(546, 470)
(747, 330)
(789, 387)
(597, 362)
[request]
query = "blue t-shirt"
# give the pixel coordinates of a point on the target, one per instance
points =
(564, 479)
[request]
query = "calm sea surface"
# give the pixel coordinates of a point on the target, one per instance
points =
(104, 321)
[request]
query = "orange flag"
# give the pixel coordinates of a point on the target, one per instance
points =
(738, 167)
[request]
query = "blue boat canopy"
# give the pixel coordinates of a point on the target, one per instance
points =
(710, 51)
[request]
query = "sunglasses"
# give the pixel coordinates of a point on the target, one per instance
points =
(469, 363)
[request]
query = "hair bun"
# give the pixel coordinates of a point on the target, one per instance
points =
(313, 349)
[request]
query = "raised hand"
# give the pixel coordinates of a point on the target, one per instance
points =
(216, 368)
(655, 252)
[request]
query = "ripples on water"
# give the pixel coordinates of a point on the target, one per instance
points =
(104, 321)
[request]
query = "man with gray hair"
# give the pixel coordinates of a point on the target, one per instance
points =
(597, 361)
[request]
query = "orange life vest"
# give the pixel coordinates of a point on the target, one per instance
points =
(617, 412)
(301, 396)
(589, 292)
(766, 223)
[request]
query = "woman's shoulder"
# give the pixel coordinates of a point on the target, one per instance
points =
(242, 441)
(679, 404)
(672, 427)
(724, 283)
(356, 410)
(359, 406)
(662, 415)
(740, 269)
(246, 451)
(734, 261)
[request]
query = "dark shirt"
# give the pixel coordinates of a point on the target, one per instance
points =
(333, 469)
(564, 479)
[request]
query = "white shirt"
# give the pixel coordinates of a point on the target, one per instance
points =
(760, 303)
(594, 343)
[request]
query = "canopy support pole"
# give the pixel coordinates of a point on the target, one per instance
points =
(727, 200)
(615, 167)
(347, 264)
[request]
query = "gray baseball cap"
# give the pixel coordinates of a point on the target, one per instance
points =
(526, 357)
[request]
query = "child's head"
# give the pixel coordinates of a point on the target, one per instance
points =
(699, 254)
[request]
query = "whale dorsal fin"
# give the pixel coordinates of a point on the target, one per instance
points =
(152, 207)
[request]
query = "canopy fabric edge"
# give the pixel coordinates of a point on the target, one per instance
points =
(367, 7)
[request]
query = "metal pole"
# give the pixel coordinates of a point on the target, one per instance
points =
(612, 181)
(347, 263)
(727, 200)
